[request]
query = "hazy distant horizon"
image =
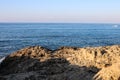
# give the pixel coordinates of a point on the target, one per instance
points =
(62, 11)
(58, 23)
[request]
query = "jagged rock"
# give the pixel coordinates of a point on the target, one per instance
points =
(65, 63)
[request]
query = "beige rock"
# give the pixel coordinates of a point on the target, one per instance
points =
(65, 63)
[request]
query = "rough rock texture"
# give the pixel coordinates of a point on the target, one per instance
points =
(65, 63)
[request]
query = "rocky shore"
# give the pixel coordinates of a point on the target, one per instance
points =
(65, 63)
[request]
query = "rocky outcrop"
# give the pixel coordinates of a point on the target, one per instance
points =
(65, 63)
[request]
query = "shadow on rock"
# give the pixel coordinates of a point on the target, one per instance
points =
(26, 68)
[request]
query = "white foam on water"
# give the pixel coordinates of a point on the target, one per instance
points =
(115, 26)
(2, 59)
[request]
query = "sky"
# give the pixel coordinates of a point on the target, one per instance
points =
(60, 11)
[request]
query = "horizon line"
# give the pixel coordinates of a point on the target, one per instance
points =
(59, 22)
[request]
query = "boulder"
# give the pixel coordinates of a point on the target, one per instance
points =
(65, 63)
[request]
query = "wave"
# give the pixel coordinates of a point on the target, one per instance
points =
(8, 40)
(1, 59)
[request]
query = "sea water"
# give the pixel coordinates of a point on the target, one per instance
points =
(14, 36)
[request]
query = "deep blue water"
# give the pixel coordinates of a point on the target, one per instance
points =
(15, 36)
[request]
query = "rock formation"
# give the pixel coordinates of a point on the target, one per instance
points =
(65, 63)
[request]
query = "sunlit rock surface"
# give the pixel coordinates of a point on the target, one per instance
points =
(65, 63)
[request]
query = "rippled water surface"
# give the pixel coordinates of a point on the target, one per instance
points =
(14, 36)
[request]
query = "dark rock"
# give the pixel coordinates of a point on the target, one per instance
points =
(66, 63)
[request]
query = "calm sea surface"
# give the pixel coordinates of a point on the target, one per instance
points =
(15, 36)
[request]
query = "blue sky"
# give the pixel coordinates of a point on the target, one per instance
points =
(78, 11)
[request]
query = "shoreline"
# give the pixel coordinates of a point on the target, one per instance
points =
(3, 57)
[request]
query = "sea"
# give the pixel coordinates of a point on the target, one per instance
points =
(14, 36)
